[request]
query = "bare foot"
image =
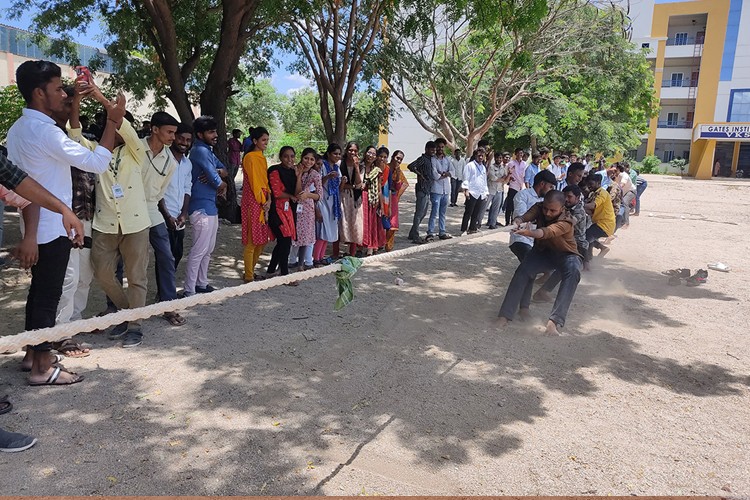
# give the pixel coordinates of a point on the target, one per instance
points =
(523, 314)
(586, 266)
(542, 296)
(604, 251)
(551, 329)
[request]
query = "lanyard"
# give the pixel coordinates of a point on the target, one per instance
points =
(164, 168)
(115, 169)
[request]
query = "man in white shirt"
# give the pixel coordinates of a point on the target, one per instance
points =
(440, 191)
(628, 193)
(560, 169)
(475, 190)
(458, 162)
(497, 176)
(544, 182)
(174, 205)
(38, 146)
(517, 170)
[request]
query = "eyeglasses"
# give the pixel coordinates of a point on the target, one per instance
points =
(370, 153)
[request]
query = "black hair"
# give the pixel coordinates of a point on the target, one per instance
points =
(572, 188)
(574, 167)
(70, 90)
(556, 157)
(545, 176)
(429, 145)
(396, 153)
(440, 140)
(308, 151)
(382, 149)
(236, 131)
(32, 75)
(555, 196)
(204, 124)
(535, 157)
(483, 144)
(255, 134)
(162, 119)
(480, 149)
(284, 149)
(543, 151)
(128, 116)
(332, 147)
(184, 128)
(518, 149)
(596, 178)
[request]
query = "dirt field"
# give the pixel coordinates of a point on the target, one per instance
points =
(410, 390)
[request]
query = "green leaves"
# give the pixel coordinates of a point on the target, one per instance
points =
(12, 104)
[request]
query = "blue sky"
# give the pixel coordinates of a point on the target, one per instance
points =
(282, 80)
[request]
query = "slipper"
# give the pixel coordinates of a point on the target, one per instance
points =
(56, 358)
(68, 348)
(699, 278)
(680, 273)
(720, 266)
(174, 319)
(52, 380)
(5, 405)
(292, 283)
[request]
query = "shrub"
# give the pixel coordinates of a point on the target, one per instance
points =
(651, 165)
(679, 164)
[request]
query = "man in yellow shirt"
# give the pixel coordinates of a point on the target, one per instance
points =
(602, 216)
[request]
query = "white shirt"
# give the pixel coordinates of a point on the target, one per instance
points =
(440, 185)
(523, 201)
(46, 153)
(475, 180)
(626, 183)
(496, 172)
(180, 185)
(457, 171)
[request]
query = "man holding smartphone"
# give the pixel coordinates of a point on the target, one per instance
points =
(174, 205)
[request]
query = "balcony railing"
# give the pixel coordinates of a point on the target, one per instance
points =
(685, 82)
(675, 124)
(690, 40)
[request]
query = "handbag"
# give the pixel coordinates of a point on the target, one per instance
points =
(386, 222)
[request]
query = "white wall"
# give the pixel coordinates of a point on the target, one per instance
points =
(741, 74)
(406, 133)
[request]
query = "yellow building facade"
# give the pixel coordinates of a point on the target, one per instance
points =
(701, 61)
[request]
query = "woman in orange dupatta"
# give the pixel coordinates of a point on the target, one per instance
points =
(256, 202)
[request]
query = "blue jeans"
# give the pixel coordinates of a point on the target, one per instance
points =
(423, 199)
(639, 189)
(439, 205)
(496, 202)
(166, 281)
(522, 284)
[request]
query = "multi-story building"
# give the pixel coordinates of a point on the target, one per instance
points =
(701, 61)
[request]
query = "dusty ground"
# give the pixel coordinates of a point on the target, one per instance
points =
(410, 390)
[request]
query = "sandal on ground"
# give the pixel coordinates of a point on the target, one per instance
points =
(55, 376)
(5, 405)
(699, 278)
(292, 283)
(680, 273)
(71, 349)
(56, 358)
(174, 319)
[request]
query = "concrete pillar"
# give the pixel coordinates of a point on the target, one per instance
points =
(736, 157)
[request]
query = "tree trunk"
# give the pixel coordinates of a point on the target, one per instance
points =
(534, 149)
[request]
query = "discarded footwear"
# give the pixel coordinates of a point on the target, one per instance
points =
(719, 266)
(5, 405)
(699, 278)
(680, 273)
(174, 318)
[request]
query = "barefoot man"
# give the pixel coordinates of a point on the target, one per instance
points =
(554, 250)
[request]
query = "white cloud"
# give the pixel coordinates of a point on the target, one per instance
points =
(297, 78)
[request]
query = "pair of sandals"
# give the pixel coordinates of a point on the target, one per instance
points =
(677, 275)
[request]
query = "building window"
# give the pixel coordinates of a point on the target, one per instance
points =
(672, 119)
(677, 79)
(681, 39)
(668, 156)
(739, 106)
(646, 45)
(686, 155)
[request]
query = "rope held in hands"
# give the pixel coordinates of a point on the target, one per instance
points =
(66, 330)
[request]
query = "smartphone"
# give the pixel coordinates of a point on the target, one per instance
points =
(83, 74)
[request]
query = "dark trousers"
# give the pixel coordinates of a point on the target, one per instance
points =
(176, 242)
(420, 211)
(455, 188)
(556, 277)
(280, 254)
(520, 250)
(639, 189)
(472, 213)
(509, 206)
(164, 266)
(119, 274)
(522, 284)
(47, 277)
(593, 233)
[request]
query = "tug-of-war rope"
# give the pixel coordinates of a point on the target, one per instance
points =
(66, 330)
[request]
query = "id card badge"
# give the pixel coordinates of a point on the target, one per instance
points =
(286, 206)
(117, 191)
(300, 208)
(312, 188)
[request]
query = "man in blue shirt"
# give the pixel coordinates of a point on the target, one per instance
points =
(204, 215)
(532, 170)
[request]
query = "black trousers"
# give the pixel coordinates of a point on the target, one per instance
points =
(47, 277)
(520, 250)
(280, 254)
(472, 213)
(509, 206)
(176, 239)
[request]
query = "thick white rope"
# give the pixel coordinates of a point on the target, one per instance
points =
(66, 330)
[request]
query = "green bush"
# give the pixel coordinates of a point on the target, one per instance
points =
(651, 165)
(679, 164)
